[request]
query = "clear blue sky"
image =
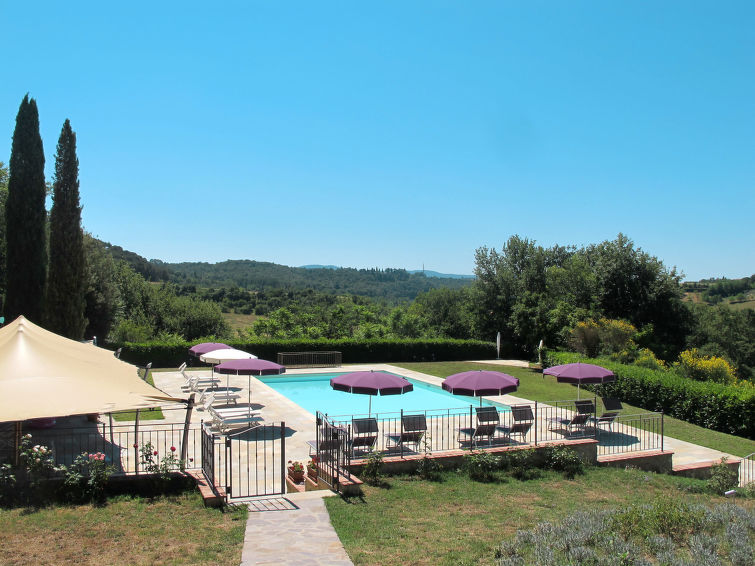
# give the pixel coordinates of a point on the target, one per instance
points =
(397, 134)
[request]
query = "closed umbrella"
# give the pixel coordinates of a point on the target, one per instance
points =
(480, 383)
(371, 383)
(199, 349)
(580, 373)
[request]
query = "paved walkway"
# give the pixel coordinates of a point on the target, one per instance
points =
(294, 529)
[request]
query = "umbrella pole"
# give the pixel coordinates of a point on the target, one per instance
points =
(369, 411)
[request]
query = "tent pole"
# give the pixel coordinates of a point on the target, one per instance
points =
(17, 444)
(112, 443)
(136, 443)
(187, 420)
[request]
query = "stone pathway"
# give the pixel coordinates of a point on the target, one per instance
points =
(294, 529)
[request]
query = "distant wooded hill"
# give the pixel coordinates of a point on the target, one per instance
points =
(390, 284)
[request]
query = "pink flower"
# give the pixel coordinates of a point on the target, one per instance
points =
(155, 452)
(136, 445)
(191, 459)
(172, 448)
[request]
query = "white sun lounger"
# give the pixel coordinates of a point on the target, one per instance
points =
(195, 380)
(223, 422)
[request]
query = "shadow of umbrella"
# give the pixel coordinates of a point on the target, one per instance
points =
(263, 433)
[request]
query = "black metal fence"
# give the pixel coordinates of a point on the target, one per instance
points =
(310, 359)
(254, 461)
(747, 470)
(121, 443)
(208, 455)
(441, 430)
(332, 449)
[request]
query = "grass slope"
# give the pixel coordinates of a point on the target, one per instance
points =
(462, 522)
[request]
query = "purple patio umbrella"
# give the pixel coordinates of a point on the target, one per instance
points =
(249, 366)
(371, 383)
(479, 383)
(580, 373)
(206, 347)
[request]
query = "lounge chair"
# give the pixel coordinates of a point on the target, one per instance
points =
(570, 426)
(612, 408)
(522, 419)
(195, 381)
(612, 404)
(488, 422)
(228, 419)
(585, 406)
(327, 448)
(413, 429)
(606, 418)
(364, 434)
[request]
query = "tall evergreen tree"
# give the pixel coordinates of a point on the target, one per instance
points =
(67, 275)
(3, 199)
(25, 219)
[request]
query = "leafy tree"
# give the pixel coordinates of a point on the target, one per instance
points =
(26, 255)
(728, 333)
(102, 295)
(67, 284)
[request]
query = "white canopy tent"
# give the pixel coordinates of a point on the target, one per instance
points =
(43, 375)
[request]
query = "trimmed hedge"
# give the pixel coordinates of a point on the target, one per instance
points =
(725, 408)
(353, 351)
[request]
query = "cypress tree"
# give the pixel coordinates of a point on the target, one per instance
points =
(25, 219)
(67, 286)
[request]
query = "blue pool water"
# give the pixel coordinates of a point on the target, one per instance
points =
(314, 393)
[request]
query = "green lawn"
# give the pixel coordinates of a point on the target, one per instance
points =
(177, 530)
(462, 522)
(152, 414)
(536, 387)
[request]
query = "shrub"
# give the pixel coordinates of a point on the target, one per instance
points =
(481, 466)
(372, 472)
(722, 478)
(522, 464)
(86, 478)
(428, 468)
(7, 484)
(353, 350)
(562, 459)
(161, 467)
(694, 365)
(647, 359)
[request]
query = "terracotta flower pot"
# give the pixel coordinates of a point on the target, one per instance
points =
(296, 476)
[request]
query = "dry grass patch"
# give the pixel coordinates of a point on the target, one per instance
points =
(165, 531)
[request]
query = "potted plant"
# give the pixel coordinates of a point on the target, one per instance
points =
(296, 471)
(312, 468)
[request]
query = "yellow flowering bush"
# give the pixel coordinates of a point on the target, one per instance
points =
(646, 359)
(694, 365)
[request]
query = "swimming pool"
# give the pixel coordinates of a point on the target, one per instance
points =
(313, 392)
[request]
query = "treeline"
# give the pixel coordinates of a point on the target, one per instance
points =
(394, 285)
(736, 289)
